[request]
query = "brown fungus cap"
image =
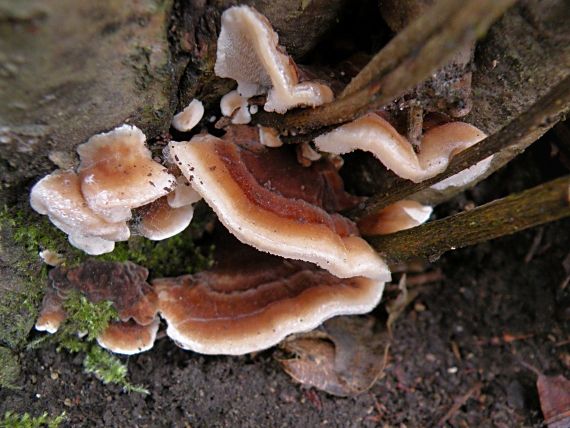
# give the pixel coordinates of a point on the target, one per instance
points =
(251, 301)
(128, 337)
(117, 173)
(249, 52)
(160, 221)
(58, 195)
(267, 200)
(398, 216)
(123, 284)
(374, 134)
(52, 314)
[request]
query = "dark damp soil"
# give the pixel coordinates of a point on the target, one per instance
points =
(458, 355)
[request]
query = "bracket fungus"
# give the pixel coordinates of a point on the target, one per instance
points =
(124, 284)
(250, 301)
(398, 216)
(281, 199)
(248, 52)
(269, 137)
(267, 200)
(58, 195)
(235, 106)
(118, 174)
(159, 220)
(189, 117)
(376, 135)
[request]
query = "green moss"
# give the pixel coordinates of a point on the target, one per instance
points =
(88, 317)
(109, 369)
(34, 233)
(24, 233)
(11, 420)
(24, 276)
(92, 319)
(9, 369)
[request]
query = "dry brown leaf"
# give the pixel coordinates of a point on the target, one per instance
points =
(347, 362)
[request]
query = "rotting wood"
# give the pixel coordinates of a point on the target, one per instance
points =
(542, 204)
(409, 58)
(522, 131)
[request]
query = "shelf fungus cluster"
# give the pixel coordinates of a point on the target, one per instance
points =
(124, 285)
(116, 174)
(299, 262)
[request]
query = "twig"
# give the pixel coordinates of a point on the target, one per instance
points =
(542, 204)
(408, 59)
(458, 402)
(517, 135)
(534, 246)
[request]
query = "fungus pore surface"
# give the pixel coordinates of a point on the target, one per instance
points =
(249, 52)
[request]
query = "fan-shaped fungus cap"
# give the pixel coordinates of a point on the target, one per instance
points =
(58, 195)
(233, 101)
(117, 173)
(124, 284)
(183, 194)
(129, 338)
(267, 200)
(398, 216)
(160, 221)
(374, 134)
(248, 52)
(52, 314)
(253, 301)
(269, 137)
(189, 117)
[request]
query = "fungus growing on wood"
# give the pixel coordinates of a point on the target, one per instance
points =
(118, 174)
(235, 106)
(58, 195)
(123, 284)
(398, 216)
(374, 134)
(269, 137)
(183, 194)
(251, 301)
(266, 199)
(248, 52)
(160, 221)
(189, 117)
(128, 337)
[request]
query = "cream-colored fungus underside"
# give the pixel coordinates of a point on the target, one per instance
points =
(374, 134)
(249, 52)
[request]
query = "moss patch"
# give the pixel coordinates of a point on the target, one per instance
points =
(12, 420)
(9, 369)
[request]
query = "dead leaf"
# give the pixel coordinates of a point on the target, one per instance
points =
(554, 394)
(346, 362)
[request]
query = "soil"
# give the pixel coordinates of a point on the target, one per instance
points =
(458, 356)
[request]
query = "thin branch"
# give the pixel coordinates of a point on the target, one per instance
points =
(408, 59)
(542, 204)
(519, 133)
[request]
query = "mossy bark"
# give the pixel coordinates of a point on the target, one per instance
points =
(68, 70)
(71, 69)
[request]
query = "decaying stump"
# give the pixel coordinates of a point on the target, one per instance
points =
(71, 69)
